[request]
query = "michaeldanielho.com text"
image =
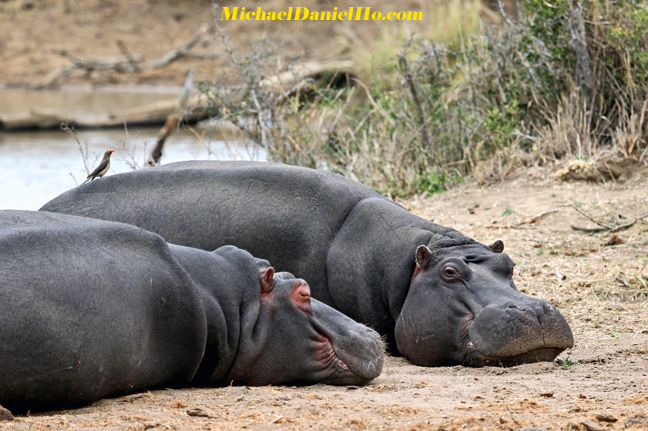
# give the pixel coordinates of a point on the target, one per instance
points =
(300, 13)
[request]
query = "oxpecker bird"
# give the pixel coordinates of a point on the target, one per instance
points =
(103, 167)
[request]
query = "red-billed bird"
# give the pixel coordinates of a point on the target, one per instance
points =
(103, 167)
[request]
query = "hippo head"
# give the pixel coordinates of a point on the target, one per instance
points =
(463, 308)
(297, 339)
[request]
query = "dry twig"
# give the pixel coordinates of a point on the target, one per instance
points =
(131, 63)
(520, 225)
(602, 226)
(535, 219)
(127, 54)
(180, 51)
(83, 148)
(407, 75)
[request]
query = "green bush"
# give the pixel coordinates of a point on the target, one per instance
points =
(564, 79)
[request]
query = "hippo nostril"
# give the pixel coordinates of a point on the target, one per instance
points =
(511, 306)
(548, 308)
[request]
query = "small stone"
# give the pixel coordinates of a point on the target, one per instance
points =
(559, 275)
(614, 240)
(547, 394)
(355, 421)
(197, 413)
(636, 420)
(5, 415)
(592, 426)
(605, 418)
(178, 404)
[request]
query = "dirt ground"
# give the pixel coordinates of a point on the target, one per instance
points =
(602, 383)
(39, 37)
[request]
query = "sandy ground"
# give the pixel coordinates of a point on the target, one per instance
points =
(601, 289)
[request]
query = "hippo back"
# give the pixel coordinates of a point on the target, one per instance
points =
(85, 300)
(284, 213)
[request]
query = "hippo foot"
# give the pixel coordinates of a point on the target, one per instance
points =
(5, 415)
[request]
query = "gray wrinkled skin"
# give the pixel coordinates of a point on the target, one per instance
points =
(90, 309)
(355, 247)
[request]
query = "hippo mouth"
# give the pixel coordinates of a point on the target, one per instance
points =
(473, 358)
(519, 336)
(348, 367)
(328, 357)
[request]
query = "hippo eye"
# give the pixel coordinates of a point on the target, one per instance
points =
(450, 272)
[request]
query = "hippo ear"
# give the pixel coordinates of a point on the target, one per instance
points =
(267, 279)
(497, 246)
(423, 256)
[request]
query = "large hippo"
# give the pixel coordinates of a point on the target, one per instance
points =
(440, 297)
(90, 308)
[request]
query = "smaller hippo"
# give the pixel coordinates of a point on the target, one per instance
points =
(90, 309)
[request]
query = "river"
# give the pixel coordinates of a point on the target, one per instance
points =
(38, 166)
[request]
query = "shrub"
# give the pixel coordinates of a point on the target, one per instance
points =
(562, 79)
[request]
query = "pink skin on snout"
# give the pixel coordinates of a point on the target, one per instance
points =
(300, 296)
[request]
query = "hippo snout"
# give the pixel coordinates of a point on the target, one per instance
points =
(514, 333)
(362, 352)
(358, 351)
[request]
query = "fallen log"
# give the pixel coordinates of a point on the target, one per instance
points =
(156, 113)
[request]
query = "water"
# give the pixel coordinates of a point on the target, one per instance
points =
(38, 166)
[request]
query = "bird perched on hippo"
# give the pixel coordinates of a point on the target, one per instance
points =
(102, 168)
(440, 297)
(90, 308)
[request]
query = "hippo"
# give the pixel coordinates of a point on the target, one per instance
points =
(90, 309)
(439, 297)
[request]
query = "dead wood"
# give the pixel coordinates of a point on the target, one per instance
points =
(521, 225)
(130, 63)
(169, 126)
(407, 75)
(180, 51)
(171, 122)
(535, 219)
(129, 57)
(602, 226)
(288, 82)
